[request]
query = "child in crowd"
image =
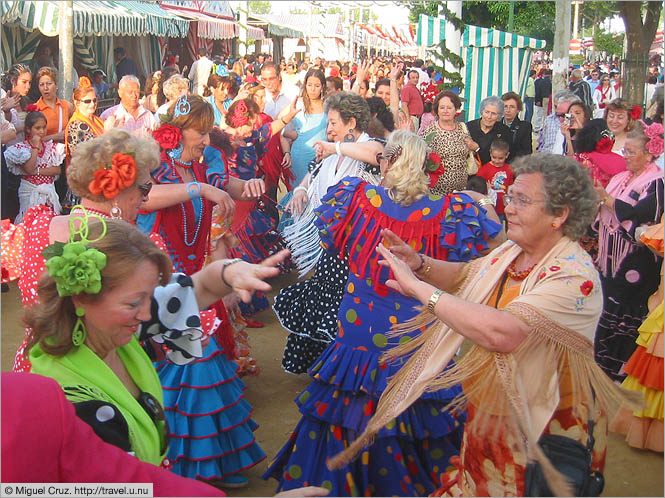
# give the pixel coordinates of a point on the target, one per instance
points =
(497, 173)
(38, 163)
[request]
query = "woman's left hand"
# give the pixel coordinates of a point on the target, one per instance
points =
(254, 188)
(405, 280)
(246, 278)
(324, 149)
(470, 144)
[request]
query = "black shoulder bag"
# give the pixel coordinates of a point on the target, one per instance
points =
(572, 459)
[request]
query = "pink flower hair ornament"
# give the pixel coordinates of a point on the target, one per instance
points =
(655, 145)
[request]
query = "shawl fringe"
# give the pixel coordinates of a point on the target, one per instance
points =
(570, 370)
(302, 238)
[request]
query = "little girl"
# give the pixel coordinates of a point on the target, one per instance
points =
(38, 162)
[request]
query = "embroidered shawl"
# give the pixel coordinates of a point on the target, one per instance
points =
(561, 300)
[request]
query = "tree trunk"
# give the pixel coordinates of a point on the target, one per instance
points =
(560, 57)
(639, 36)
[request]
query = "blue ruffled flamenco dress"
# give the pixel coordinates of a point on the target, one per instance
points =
(410, 451)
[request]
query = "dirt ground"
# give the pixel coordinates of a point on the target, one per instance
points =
(628, 472)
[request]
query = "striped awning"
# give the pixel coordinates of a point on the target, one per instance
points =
(431, 30)
(101, 17)
(277, 25)
(207, 26)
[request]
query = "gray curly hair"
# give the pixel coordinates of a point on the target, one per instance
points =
(492, 100)
(349, 105)
(565, 183)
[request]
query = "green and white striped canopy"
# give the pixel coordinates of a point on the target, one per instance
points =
(101, 17)
(495, 62)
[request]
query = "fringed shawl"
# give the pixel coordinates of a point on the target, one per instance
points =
(561, 300)
(612, 246)
(302, 237)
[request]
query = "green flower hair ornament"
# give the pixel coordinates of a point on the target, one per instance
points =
(75, 266)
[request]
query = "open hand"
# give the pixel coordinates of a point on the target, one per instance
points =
(297, 203)
(247, 278)
(404, 280)
(226, 204)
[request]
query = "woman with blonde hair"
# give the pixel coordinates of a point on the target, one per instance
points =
(620, 117)
(174, 87)
(57, 111)
(348, 376)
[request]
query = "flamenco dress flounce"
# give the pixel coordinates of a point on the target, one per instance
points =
(409, 453)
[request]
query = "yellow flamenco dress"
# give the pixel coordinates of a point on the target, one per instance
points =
(644, 428)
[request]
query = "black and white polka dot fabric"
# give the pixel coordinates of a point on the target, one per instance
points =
(175, 321)
(308, 310)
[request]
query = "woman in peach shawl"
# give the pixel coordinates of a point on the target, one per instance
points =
(531, 308)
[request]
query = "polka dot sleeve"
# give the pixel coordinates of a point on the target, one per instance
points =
(175, 321)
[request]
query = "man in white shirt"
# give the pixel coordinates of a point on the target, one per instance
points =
(129, 114)
(278, 95)
(200, 71)
(423, 77)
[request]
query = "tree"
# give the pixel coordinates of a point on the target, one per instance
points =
(641, 22)
(259, 7)
(611, 44)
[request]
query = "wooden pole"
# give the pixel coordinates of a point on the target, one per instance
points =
(560, 58)
(66, 47)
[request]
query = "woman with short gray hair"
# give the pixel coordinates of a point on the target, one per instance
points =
(488, 127)
(531, 308)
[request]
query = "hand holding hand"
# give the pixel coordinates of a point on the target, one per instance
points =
(246, 278)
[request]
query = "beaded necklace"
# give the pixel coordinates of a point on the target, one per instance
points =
(518, 275)
(94, 211)
(184, 215)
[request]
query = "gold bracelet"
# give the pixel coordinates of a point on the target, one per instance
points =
(427, 266)
(483, 201)
(434, 299)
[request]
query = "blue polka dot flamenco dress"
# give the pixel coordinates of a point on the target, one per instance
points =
(408, 453)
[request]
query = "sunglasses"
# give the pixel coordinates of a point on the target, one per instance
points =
(145, 188)
(89, 101)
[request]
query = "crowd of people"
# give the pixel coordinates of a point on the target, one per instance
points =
(142, 238)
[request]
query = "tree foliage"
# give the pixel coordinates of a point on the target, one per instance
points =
(259, 7)
(611, 44)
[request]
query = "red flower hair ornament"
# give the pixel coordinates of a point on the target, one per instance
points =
(167, 136)
(115, 177)
(433, 167)
(240, 116)
(604, 145)
(31, 108)
(636, 112)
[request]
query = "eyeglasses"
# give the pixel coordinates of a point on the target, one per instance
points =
(89, 101)
(520, 201)
(145, 188)
(627, 152)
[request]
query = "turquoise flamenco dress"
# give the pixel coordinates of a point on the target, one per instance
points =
(409, 452)
(211, 429)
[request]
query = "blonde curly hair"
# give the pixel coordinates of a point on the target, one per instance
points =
(93, 154)
(406, 180)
